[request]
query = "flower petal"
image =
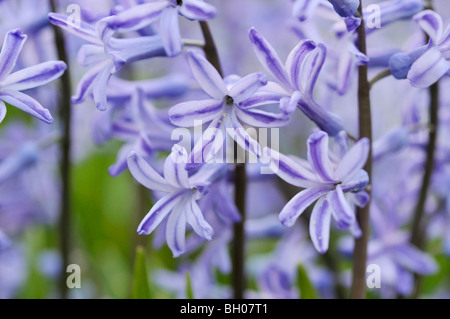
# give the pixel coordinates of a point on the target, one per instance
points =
(354, 160)
(176, 230)
(207, 76)
(26, 104)
(289, 170)
(414, 260)
(431, 23)
(86, 83)
(318, 156)
(345, 8)
(260, 98)
(146, 175)
(170, 32)
(35, 76)
(260, 118)
(240, 135)
(174, 168)
(289, 105)
(208, 146)
(188, 113)
(297, 205)
(197, 221)
(341, 210)
(428, 69)
(12, 45)
(77, 28)
(269, 58)
(319, 225)
(137, 17)
(158, 212)
(2, 111)
(304, 64)
(197, 10)
(99, 87)
(247, 86)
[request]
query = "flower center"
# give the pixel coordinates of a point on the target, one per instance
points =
(229, 100)
(179, 2)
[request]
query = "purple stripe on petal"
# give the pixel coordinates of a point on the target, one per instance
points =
(99, 87)
(86, 83)
(174, 168)
(247, 86)
(431, 23)
(12, 45)
(289, 170)
(319, 225)
(81, 30)
(207, 76)
(176, 230)
(354, 160)
(428, 69)
(259, 99)
(170, 32)
(269, 58)
(137, 17)
(197, 10)
(296, 59)
(26, 104)
(318, 156)
(260, 118)
(208, 145)
(297, 205)
(146, 175)
(35, 76)
(342, 212)
(240, 135)
(158, 212)
(185, 114)
(197, 221)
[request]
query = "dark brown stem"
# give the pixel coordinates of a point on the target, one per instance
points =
(240, 186)
(418, 225)
(65, 165)
(358, 288)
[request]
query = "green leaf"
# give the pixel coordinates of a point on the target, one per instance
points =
(141, 288)
(189, 291)
(307, 289)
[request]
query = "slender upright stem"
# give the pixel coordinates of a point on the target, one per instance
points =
(65, 166)
(240, 186)
(418, 225)
(358, 288)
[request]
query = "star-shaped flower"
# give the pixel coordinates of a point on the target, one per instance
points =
(167, 12)
(104, 56)
(335, 184)
(179, 204)
(226, 109)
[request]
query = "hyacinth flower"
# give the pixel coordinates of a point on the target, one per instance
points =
(104, 58)
(167, 11)
(143, 130)
(335, 185)
(12, 83)
(179, 204)
(425, 65)
(296, 80)
(226, 108)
